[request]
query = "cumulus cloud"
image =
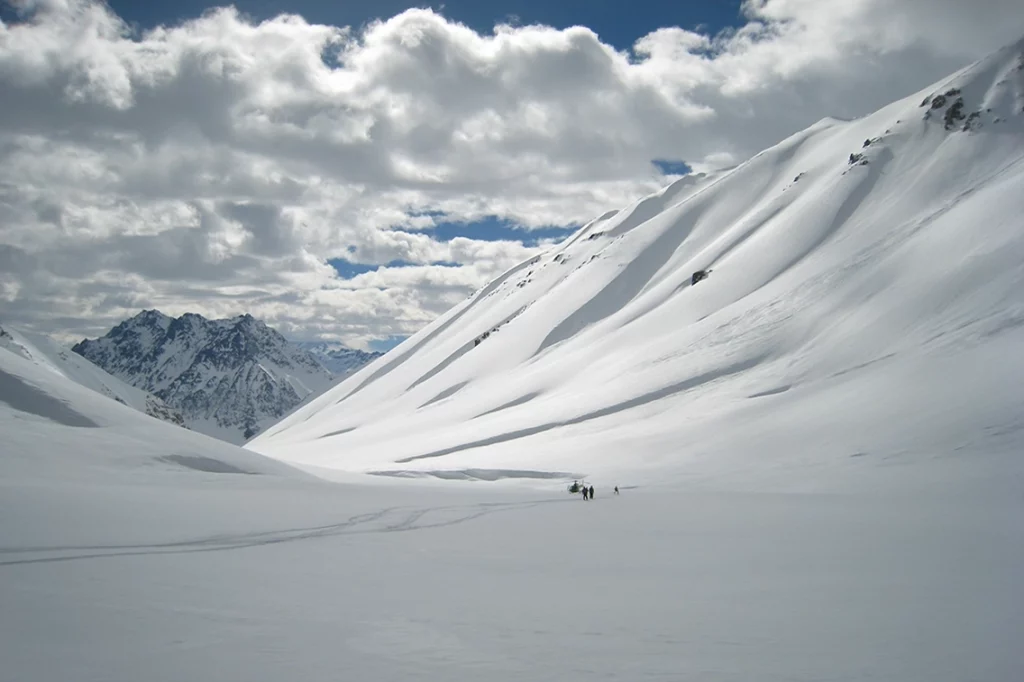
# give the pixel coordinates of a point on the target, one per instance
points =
(216, 165)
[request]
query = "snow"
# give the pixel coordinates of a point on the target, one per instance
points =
(871, 266)
(49, 355)
(138, 551)
(818, 449)
(55, 429)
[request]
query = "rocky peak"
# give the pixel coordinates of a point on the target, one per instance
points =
(229, 377)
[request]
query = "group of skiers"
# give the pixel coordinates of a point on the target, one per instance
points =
(588, 492)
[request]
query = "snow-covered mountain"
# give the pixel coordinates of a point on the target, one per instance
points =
(51, 356)
(133, 550)
(229, 378)
(338, 359)
(864, 302)
(858, 339)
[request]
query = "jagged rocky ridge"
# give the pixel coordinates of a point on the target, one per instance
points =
(230, 378)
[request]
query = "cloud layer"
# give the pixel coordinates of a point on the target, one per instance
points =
(215, 166)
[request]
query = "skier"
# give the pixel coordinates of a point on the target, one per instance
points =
(591, 492)
(698, 276)
(616, 490)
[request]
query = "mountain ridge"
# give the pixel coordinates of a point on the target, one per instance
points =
(814, 248)
(229, 377)
(339, 359)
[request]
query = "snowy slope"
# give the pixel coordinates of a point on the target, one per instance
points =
(55, 429)
(338, 359)
(865, 306)
(229, 378)
(133, 550)
(49, 355)
(874, 367)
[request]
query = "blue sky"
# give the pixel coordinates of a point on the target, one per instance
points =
(618, 23)
(490, 229)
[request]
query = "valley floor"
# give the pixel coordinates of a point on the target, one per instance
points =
(199, 576)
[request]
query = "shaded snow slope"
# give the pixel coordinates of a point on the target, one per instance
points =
(57, 430)
(49, 355)
(865, 303)
(230, 378)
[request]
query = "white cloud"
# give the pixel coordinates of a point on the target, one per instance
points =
(215, 165)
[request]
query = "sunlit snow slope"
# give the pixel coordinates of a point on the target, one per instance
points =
(866, 304)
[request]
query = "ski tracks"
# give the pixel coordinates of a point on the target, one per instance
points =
(388, 520)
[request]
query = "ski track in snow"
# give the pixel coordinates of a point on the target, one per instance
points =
(388, 520)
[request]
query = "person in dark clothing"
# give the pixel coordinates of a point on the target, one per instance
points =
(616, 490)
(591, 492)
(584, 493)
(698, 276)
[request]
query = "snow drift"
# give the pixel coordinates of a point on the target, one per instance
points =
(865, 303)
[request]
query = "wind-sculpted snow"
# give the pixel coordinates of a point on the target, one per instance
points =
(658, 394)
(865, 254)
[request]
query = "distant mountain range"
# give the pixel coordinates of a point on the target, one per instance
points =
(338, 359)
(229, 378)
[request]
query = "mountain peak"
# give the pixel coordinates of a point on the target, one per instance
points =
(151, 316)
(230, 377)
